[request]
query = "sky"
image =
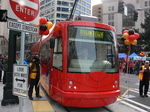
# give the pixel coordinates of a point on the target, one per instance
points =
(93, 2)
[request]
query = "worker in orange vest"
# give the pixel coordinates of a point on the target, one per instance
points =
(144, 77)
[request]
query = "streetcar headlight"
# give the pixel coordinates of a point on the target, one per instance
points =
(70, 82)
(75, 87)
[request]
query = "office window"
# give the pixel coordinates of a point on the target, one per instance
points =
(58, 2)
(58, 9)
(110, 16)
(146, 3)
(78, 6)
(58, 15)
(65, 10)
(77, 12)
(64, 15)
(111, 8)
(83, 8)
(65, 3)
(83, 3)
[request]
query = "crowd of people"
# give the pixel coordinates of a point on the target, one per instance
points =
(133, 67)
(34, 72)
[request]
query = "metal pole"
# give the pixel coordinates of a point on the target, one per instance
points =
(73, 10)
(21, 62)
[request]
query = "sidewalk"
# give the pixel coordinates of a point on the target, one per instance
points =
(27, 104)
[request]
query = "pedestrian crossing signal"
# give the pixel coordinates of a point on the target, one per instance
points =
(3, 16)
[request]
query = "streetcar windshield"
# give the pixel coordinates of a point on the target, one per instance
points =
(91, 49)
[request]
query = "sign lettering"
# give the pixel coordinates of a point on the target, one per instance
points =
(25, 10)
(22, 27)
(94, 34)
(20, 80)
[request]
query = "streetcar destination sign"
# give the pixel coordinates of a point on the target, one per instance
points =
(20, 80)
(15, 25)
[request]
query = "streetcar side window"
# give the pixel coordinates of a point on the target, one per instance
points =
(57, 56)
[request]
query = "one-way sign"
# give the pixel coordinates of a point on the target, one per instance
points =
(20, 80)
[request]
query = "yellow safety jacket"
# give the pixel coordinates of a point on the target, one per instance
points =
(33, 72)
(141, 74)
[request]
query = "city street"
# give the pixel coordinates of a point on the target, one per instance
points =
(129, 85)
(128, 101)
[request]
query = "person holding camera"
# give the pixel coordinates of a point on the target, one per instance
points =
(34, 77)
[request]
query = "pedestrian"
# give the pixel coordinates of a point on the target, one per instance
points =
(5, 67)
(27, 62)
(1, 69)
(34, 77)
(137, 67)
(144, 77)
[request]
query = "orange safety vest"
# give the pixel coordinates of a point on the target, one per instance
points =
(33, 72)
(141, 74)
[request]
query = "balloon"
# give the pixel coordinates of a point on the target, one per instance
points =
(41, 32)
(134, 42)
(43, 20)
(127, 42)
(57, 27)
(131, 31)
(46, 32)
(136, 35)
(142, 54)
(125, 31)
(131, 37)
(125, 35)
(49, 25)
(43, 27)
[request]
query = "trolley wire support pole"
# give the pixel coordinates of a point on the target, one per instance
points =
(72, 10)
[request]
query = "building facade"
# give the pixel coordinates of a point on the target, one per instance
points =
(97, 10)
(59, 10)
(3, 30)
(121, 21)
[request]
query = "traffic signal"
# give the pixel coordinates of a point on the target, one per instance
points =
(3, 15)
(120, 7)
(135, 17)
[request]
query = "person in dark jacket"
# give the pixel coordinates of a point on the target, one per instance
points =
(1, 69)
(144, 77)
(5, 68)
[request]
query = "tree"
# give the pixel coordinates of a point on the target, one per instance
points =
(145, 36)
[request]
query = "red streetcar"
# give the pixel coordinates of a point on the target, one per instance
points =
(80, 64)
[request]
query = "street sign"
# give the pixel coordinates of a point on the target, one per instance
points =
(20, 80)
(25, 10)
(15, 25)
